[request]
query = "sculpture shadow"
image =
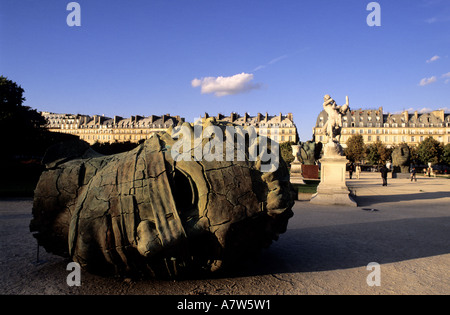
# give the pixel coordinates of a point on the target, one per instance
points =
(364, 201)
(353, 245)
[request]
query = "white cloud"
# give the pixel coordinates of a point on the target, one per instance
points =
(275, 60)
(222, 86)
(424, 110)
(271, 62)
(447, 77)
(259, 67)
(434, 58)
(426, 81)
(431, 20)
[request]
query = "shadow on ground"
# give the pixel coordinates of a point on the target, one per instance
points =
(354, 245)
(364, 201)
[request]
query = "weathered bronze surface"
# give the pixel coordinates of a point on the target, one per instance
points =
(141, 213)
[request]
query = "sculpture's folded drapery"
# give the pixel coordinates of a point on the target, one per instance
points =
(142, 213)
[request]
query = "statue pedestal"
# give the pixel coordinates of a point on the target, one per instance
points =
(332, 189)
(296, 173)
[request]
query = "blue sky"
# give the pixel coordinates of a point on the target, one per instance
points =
(157, 56)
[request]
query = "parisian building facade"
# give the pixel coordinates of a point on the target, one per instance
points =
(91, 129)
(391, 129)
(280, 128)
(104, 129)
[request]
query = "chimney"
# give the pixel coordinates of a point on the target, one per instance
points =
(267, 117)
(416, 115)
(281, 117)
(206, 115)
(245, 117)
(258, 117)
(117, 119)
(152, 118)
(406, 115)
(290, 117)
(219, 116)
(439, 114)
(233, 117)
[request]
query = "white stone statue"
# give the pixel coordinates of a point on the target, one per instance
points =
(333, 189)
(295, 152)
(333, 125)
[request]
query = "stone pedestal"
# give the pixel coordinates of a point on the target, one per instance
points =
(332, 189)
(296, 167)
(296, 173)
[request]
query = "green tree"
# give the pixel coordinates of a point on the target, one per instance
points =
(24, 142)
(414, 156)
(378, 153)
(446, 154)
(372, 153)
(22, 124)
(430, 150)
(286, 152)
(355, 149)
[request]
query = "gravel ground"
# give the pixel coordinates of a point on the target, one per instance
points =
(404, 227)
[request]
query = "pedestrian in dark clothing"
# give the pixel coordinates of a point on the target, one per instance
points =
(350, 170)
(384, 171)
(413, 174)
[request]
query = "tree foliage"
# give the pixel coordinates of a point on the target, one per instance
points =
(24, 134)
(286, 152)
(446, 154)
(355, 149)
(378, 153)
(22, 125)
(430, 150)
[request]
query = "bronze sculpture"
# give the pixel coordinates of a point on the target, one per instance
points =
(142, 213)
(401, 158)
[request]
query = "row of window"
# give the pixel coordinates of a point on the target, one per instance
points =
(395, 131)
(391, 120)
(136, 137)
(114, 131)
(386, 125)
(112, 138)
(397, 139)
(140, 131)
(75, 126)
(275, 131)
(393, 139)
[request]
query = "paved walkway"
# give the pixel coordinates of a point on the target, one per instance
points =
(404, 227)
(369, 190)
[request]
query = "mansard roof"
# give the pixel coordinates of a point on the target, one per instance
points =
(366, 116)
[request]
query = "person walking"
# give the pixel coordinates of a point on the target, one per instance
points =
(350, 170)
(384, 171)
(413, 174)
(358, 171)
